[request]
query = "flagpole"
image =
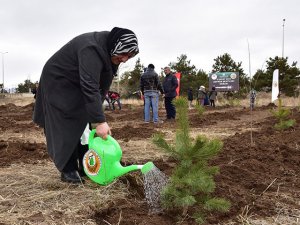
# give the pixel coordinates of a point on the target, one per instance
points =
(251, 107)
(283, 38)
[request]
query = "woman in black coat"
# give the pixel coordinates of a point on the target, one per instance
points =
(71, 90)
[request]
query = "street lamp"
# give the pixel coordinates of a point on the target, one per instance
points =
(283, 38)
(2, 53)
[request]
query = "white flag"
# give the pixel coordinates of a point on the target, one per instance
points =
(275, 85)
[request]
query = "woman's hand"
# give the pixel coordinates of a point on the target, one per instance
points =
(102, 130)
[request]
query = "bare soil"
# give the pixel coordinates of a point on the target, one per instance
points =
(259, 166)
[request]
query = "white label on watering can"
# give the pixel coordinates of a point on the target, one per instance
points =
(92, 162)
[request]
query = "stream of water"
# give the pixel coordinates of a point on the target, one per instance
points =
(154, 182)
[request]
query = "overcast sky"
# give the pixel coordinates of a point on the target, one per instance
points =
(31, 31)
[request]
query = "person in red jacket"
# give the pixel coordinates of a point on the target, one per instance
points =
(114, 97)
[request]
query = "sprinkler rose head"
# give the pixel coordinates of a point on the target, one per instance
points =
(147, 167)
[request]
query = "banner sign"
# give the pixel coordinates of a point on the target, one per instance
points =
(224, 81)
(178, 79)
(275, 85)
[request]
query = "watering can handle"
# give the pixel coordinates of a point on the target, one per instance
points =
(92, 135)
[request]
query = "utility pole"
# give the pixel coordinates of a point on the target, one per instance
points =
(2, 53)
(283, 38)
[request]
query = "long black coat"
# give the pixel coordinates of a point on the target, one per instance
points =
(69, 93)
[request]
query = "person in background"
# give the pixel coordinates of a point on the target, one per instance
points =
(71, 89)
(107, 99)
(170, 83)
(252, 98)
(34, 89)
(212, 96)
(150, 87)
(114, 97)
(201, 95)
(190, 97)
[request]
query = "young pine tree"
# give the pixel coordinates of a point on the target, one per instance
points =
(200, 109)
(282, 115)
(191, 184)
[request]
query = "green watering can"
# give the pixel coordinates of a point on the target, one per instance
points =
(102, 161)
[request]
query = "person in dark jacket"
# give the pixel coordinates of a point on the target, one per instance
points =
(71, 88)
(170, 83)
(212, 96)
(190, 97)
(150, 87)
(34, 89)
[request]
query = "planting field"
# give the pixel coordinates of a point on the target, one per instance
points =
(259, 169)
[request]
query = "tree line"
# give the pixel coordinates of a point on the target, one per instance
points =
(191, 77)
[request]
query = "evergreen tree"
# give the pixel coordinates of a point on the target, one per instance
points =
(282, 115)
(202, 79)
(191, 185)
(131, 79)
(190, 78)
(25, 87)
(287, 76)
(262, 82)
(183, 65)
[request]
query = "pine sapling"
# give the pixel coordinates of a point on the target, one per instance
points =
(282, 115)
(200, 109)
(191, 185)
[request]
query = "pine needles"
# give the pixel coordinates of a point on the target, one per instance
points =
(191, 185)
(282, 115)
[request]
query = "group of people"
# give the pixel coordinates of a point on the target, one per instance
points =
(203, 97)
(74, 82)
(151, 87)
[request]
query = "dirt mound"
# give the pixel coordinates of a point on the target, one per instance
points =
(25, 152)
(128, 132)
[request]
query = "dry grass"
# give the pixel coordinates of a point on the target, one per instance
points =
(132, 102)
(262, 99)
(17, 99)
(285, 216)
(34, 194)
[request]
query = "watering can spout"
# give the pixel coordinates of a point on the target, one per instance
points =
(147, 167)
(121, 170)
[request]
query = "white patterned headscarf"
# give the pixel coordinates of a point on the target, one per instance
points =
(122, 41)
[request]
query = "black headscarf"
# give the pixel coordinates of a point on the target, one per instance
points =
(121, 41)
